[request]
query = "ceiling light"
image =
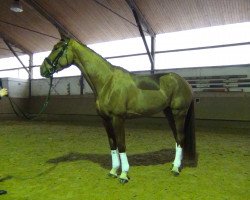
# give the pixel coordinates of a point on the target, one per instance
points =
(16, 6)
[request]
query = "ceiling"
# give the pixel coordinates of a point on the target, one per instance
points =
(93, 21)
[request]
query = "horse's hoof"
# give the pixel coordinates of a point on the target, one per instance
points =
(124, 178)
(123, 181)
(112, 175)
(175, 171)
(3, 192)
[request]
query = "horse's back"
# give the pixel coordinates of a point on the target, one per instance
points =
(167, 82)
(148, 82)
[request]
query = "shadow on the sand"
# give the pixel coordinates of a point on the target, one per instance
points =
(144, 159)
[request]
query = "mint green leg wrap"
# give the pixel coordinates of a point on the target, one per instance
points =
(113, 172)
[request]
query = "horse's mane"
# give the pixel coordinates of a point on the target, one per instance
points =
(104, 59)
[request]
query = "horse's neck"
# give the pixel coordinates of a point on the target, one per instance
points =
(96, 69)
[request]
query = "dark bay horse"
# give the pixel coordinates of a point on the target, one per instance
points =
(121, 95)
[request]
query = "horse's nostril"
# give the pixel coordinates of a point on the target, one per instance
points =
(43, 72)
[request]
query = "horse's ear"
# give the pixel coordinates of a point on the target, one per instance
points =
(63, 36)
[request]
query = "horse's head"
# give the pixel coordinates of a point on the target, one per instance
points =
(60, 58)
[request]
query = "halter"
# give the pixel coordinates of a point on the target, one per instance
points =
(54, 63)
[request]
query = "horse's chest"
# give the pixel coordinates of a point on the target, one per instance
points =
(101, 109)
(111, 104)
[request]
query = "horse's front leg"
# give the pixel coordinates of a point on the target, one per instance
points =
(118, 125)
(113, 147)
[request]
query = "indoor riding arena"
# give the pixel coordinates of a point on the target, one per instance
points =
(125, 99)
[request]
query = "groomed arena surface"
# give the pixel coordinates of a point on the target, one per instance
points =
(60, 160)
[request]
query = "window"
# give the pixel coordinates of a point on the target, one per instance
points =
(217, 35)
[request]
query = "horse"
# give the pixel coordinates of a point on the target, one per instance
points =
(120, 95)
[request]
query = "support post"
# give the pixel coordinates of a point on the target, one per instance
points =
(31, 73)
(153, 54)
(81, 84)
(142, 23)
(15, 54)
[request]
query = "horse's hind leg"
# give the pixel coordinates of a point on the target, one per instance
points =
(168, 113)
(176, 120)
(179, 117)
(113, 147)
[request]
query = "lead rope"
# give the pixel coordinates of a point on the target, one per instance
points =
(13, 105)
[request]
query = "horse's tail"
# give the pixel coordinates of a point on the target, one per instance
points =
(189, 138)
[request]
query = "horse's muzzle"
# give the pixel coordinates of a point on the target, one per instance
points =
(44, 69)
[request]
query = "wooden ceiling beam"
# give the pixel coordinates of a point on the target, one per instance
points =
(6, 49)
(15, 44)
(61, 28)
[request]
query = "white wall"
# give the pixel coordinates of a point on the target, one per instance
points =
(17, 88)
(60, 86)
